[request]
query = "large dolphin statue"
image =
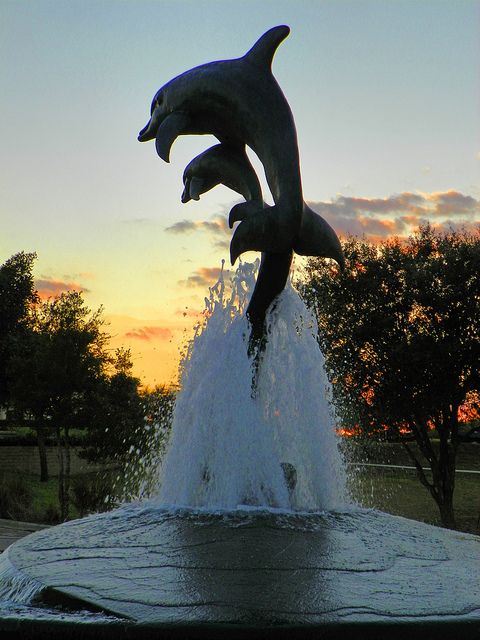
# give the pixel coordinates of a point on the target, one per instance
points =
(240, 102)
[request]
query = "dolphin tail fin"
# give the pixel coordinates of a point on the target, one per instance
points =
(260, 230)
(264, 49)
(317, 238)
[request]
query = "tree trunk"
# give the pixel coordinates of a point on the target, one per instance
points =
(447, 427)
(61, 477)
(442, 465)
(447, 514)
(66, 488)
(42, 451)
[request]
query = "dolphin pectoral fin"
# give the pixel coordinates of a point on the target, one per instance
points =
(266, 230)
(317, 238)
(242, 211)
(168, 131)
(264, 49)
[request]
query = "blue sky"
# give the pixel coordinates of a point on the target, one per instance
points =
(385, 96)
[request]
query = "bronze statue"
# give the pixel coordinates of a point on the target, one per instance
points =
(240, 103)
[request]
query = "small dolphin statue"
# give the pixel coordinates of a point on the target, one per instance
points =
(240, 103)
(222, 164)
(230, 166)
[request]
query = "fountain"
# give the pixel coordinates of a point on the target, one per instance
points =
(251, 532)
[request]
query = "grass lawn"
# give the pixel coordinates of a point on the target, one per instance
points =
(398, 491)
(43, 506)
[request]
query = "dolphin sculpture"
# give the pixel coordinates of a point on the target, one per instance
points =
(240, 102)
(227, 165)
(230, 166)
(222, 164)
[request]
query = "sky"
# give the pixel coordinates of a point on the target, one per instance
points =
(385, 96)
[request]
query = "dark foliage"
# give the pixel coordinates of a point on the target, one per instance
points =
(17, 294)
(400, 332)
(15, 497)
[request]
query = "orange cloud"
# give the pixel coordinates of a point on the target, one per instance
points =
(453, 203)
(406, 211)
(49, 288)
(205, 277)
(374, 218)
(150, 333)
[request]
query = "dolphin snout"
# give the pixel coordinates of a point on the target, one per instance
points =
(149, 131)
(144, 134)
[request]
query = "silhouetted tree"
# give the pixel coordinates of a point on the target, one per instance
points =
(17, 294)
(118, 414)
(130, 426)
(400, 332)
(55, 371)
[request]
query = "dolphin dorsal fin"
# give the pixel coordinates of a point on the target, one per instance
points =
(264, 49)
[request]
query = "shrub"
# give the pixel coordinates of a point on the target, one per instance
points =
(15, 497)
(90, 494)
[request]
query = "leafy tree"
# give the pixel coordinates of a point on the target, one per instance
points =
(55, 371)
(130, 427)
(400, 332)
(17, 294)
(117, 413)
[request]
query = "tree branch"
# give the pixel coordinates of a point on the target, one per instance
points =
(420, 472)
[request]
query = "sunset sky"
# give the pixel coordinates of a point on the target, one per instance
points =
(385, 96)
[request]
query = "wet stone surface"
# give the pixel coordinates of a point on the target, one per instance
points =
(153, 566)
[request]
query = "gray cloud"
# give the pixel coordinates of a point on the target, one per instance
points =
(399, 214)
(204, 277)
(216, 226)
(184, 226)
(375, 218)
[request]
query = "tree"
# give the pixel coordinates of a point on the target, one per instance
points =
(400, 332)
(17, 294)
(130, 426)
(56, 369)
(117, 413)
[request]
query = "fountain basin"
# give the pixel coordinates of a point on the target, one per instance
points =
(180, 573)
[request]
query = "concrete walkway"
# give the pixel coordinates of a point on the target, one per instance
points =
(12, 530)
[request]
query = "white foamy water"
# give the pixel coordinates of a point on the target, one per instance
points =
(15, 586)
(276, 449)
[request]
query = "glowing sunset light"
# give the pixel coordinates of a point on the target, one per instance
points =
(386, 142)
(468, 412)
(470, 409)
